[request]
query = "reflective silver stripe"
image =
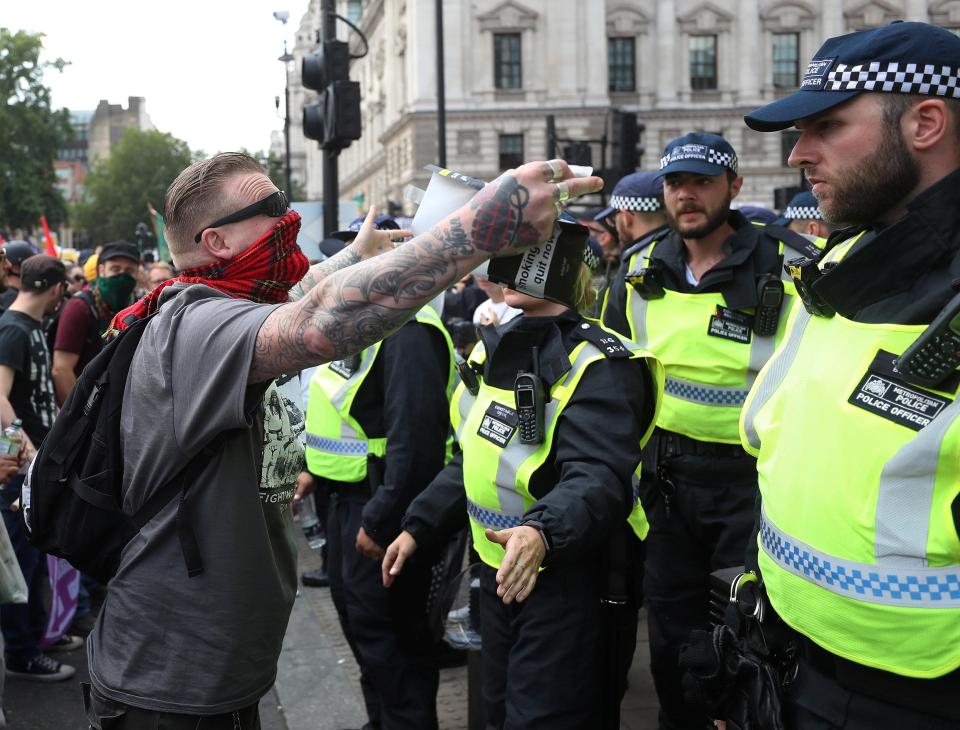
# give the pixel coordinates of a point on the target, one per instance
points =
(638, 318)
(493, 518)
(761, 348)
(888, 585)
(906, 494)
(776, 372)
(467, 399)
(706, 395)
(348, 432)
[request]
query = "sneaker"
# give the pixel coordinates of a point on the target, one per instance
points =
(461, 636)
(41, 668)
(316, 578)
(67, 642)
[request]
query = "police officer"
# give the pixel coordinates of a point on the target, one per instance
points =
(636, 210)
(858, 452)
(378, 430)
(551, 489)
(803, 215)
(707, 299)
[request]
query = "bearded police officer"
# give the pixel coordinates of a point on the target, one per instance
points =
(803, 215)
(854, 420)
(707, 299)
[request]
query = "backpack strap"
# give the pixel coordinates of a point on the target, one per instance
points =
(179, 484)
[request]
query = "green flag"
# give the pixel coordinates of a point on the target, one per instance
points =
(158, 229)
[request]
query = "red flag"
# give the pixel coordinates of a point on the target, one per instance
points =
(51, 249)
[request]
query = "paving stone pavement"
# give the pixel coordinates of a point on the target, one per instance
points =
(318, 680)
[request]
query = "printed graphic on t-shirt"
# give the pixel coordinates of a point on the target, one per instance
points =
(42, 396)
(283, 434)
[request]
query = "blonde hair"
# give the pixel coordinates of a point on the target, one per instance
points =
(584, 295)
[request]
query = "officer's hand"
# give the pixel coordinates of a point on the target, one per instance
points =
(9, 465)
(524, 553)
(371, 242)
(518, 209)
(397, 554)
(367, 547)
(305, 485)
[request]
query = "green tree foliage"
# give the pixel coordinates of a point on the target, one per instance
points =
(30, 133)
(139, 170)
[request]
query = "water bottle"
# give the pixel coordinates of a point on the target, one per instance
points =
(310, 523)
(11, 440)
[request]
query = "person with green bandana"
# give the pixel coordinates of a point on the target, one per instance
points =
(86, 316)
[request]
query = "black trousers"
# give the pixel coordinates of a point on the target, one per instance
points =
(545, 664)
(387, 629)
(699, 522)
(815, 702)
(105, 714)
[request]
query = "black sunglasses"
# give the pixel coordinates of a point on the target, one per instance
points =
(274, 205)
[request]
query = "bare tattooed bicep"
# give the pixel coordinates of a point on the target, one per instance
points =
(319, 272)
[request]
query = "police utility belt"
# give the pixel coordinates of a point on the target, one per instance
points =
(648, 283)
(365, 488)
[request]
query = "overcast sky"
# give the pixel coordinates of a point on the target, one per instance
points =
(208, 68)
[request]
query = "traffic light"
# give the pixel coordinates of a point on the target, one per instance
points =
(578, 153)
(335, 120)
(626, 136)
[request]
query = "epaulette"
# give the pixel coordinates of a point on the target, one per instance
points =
(798, 242)
(644, 242)
(607, 342)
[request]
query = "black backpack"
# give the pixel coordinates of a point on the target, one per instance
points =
(75, 483)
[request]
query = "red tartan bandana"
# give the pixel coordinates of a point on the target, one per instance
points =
(263, 273)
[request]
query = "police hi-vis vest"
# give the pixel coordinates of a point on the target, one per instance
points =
(337, 447)
(858, 469)
(710, 354)
(497, 468)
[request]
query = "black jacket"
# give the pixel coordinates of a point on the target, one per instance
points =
(404, 399)
(583, 489)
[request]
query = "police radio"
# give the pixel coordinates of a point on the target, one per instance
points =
(528, 393)
(770, 299)
(648, 282)
(935, 354)
(805, 272)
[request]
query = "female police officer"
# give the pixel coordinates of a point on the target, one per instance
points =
(550, 420)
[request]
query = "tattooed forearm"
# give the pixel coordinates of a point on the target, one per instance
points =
(355, 305)
(319, 272)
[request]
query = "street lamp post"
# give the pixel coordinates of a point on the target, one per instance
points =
(286, 58)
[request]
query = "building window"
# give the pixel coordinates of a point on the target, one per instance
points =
(786, 60)
(511, 151)
(506, 60)
(788, 140)
(621, 61)
(703, 62)
(354, 10)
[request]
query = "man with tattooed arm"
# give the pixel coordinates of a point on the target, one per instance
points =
(172, 649)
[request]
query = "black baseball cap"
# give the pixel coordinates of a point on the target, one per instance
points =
(38, 273)
(900, 58)
(119, 250)
(19, 251)
(638, 191)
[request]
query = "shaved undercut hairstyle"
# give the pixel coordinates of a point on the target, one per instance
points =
(195, 198)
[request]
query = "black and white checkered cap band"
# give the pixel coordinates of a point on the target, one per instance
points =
(898, 77)
(802, 213)
(626, 202)
(713, 157)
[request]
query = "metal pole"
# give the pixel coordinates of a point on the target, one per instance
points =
(331, 178)
(441, 92)
(286, 123)
(551, 137)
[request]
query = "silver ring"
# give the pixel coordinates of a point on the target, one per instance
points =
(559, 209)
(556, 169)
(563, 192)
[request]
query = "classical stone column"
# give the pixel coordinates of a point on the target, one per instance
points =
(751, 36)
(831, 14)
(668, 36)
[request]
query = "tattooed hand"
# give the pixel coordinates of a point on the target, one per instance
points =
(351, 303)
(518, 209)
(372, 242)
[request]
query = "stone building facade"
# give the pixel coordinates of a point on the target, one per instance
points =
(681, 65)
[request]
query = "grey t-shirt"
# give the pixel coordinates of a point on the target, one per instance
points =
(208, 644)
